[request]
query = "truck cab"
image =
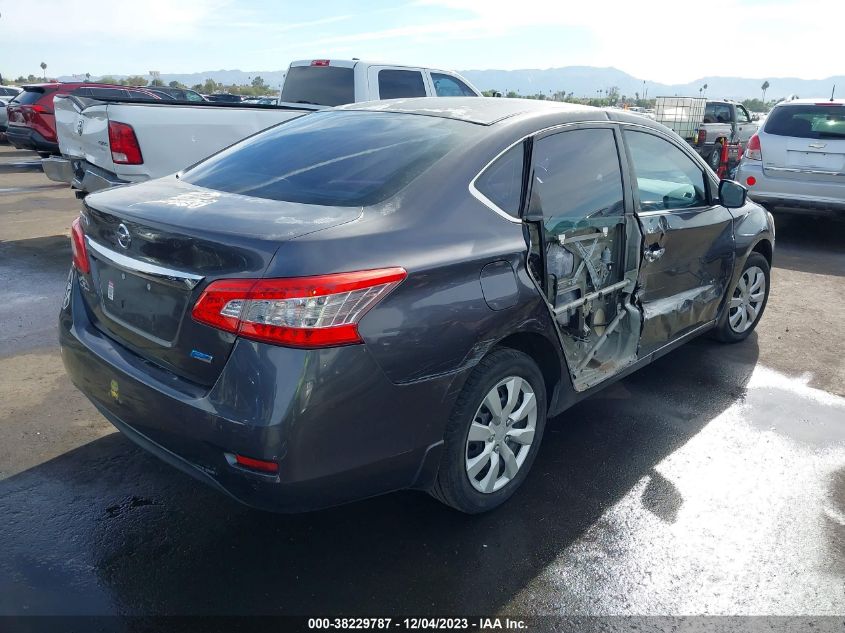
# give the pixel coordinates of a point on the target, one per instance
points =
(333, 82)
(724, 122)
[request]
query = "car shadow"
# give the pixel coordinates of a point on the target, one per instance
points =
(107, 528)
(810, 244)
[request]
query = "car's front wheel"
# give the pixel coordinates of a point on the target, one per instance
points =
(493, 434)
(747, 301)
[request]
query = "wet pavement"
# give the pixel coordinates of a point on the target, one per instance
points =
(711, 482)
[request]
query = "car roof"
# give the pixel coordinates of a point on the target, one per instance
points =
(819, 101)
(480, 110)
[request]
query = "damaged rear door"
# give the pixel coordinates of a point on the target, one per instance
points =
(688, 243)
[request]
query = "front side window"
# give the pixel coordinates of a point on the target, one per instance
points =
(666, 177)
(332, 158)
(576, 175)
(398, 84)
(501, 182)
(742, 115)
(448, 86)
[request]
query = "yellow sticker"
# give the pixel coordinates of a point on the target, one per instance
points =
(115, 392)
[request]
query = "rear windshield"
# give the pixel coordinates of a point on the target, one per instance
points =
(807, 121)
(29, 95)
(319, 85)
(332, 158)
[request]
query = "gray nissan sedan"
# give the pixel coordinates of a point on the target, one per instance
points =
(397, 294)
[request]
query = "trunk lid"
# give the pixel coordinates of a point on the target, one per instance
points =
(155, 246)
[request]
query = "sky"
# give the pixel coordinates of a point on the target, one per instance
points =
(658, 40)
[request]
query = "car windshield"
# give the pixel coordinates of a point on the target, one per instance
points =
(332, 158)
(807, 121)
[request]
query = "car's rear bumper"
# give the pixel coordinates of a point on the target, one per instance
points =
(23, 137)
(57, 169)
(795, 195)
(89, 178)
(337, 427)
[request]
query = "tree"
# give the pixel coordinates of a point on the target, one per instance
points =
(197, 87)
(44, 70)
(209, 86)
(176, 84)
(136, 80)
(108, 79)
(512, 94)
(156, 82)
(764, 87)
(87, 76)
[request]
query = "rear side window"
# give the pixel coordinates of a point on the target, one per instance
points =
(30, 95)
(807, 121)
(666, 177)
(332, 158)
(576, 175)
(448, 86)
(501, 182)
(319, 85)
(398, 84)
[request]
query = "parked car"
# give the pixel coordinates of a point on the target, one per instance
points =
(32, 122)
(223, 97)
(156, 140)
(383, 296)
(7, 93)
(333, 82)
(796, 162)
(177, 94)
(724, 122)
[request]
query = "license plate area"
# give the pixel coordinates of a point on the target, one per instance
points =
(146, 306)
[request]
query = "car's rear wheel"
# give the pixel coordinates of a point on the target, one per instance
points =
(715, 158)
(747, 301)
(493, 434)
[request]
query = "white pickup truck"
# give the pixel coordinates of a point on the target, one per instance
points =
(108, 142)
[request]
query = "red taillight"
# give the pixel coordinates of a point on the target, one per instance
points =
(309, 312)
(257, 464)
(77, 244)
(40, 109)
(124, 144)
(754, 151)
(320, 62)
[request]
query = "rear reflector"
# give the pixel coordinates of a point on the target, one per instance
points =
(754, 151)
(124, 144)
(257, 464)
(308, 312)
(751, 181)
(702, 137)
(77, 244)
(320, 62)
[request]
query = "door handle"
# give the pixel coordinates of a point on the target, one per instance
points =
(652, 254)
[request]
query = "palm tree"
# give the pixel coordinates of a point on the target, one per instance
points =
(764, 87)
(44, 69)
(704, 88)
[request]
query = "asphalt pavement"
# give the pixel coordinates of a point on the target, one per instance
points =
(711, 482)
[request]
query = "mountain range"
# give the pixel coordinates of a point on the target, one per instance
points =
(579, 80)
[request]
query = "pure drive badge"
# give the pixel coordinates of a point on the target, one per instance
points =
(110, 291)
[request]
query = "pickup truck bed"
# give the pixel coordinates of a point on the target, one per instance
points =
(171, 136)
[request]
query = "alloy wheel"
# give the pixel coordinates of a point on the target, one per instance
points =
(501, 434)
(747, 299)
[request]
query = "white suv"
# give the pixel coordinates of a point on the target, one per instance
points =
(797, 161)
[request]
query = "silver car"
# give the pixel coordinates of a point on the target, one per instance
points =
(796, 162)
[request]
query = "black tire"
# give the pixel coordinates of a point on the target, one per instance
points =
(452, 485)
(724, 332)
(44, 154)
(715, 158)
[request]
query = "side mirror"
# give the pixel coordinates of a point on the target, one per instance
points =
(732, 194)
